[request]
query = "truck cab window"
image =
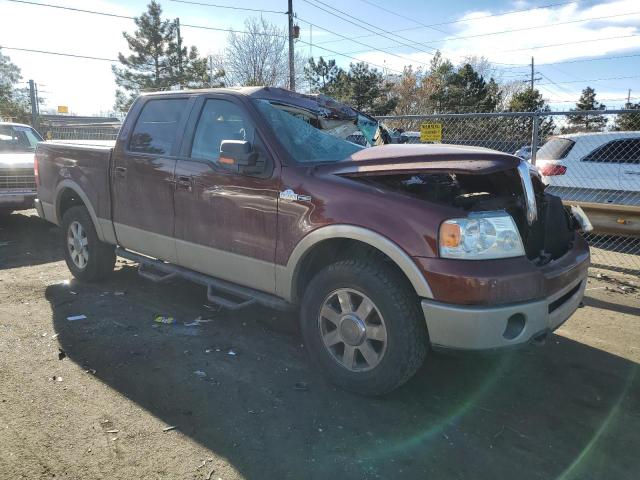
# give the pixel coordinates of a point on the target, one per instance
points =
(156, 128)
(220, 120)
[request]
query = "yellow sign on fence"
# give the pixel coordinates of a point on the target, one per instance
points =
(63, 109)
(431, 132)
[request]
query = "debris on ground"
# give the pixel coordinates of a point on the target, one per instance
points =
(198, 321)
(211, 473)
(168, 429)
(301, 386)
(117, 294)
(113, 431)
(200, 373)
(74, 318)
(621, 286)
(232, 353)
(166, 320)
(92, 371)
(61, 354)
(56, 378)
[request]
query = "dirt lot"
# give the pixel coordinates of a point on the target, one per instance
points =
(570, 409)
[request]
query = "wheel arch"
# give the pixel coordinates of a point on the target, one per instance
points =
(68, 194)
(290, 279)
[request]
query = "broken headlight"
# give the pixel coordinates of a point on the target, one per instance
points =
(480, 236)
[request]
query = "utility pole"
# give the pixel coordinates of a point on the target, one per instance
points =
(34, 105)
(180, 69)
(628, 105)
(532, 73)
(292, 73)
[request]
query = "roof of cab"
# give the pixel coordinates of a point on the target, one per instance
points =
(317, 103)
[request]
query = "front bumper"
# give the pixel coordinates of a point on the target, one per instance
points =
(17, 200)
(485, 327)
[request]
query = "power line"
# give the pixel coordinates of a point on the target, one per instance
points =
(549, 25)
(365, 28)
(360, 43)
(368, 2)
(113, 15)
(574, 61)
(59, 53)
(347, 56)
(569, 43)
(589, 80)
(472, 19)
(203, 4)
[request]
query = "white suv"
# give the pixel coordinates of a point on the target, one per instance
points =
(597, 167)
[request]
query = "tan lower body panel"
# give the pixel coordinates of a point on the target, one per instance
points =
(246, 271)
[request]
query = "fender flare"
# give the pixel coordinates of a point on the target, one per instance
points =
(70, 184)
(287, 276)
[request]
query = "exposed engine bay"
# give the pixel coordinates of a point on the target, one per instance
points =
(549, 237)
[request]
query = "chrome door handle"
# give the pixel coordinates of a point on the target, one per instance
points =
(631, 172)
(184, 182)
(121, 172)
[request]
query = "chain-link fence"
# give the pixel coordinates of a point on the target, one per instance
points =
(81, 132)
(588, 158)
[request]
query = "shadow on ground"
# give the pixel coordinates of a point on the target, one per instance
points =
(562, 411)
(26, 240)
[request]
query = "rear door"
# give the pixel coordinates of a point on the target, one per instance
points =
(599, 171)
(630, 171)
(143, 177)
(226, 222)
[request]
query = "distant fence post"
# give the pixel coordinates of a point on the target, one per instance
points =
(535, 136)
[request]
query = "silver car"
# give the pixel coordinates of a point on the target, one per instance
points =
(17, 179)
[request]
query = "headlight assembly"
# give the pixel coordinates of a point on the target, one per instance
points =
(480, 236)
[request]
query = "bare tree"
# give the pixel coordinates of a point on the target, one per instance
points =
(258, 57)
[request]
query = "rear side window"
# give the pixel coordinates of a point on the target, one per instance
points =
(555, 148)
(617, 151)
(157, 126)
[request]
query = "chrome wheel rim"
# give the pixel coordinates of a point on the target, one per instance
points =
(77, 243)
(352, 330)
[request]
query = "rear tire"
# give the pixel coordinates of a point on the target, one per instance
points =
(87, 257)
(362, 325)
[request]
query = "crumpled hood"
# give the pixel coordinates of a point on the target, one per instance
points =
(16, 160)
(398, 158)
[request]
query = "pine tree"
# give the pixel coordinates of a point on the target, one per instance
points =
(586, 122)
(157, 62)
(320, 74)
(529, 100)
(628, 121)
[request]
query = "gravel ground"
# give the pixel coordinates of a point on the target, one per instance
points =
(92, 398)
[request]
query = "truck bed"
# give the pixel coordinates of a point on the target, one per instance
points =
(81, 164)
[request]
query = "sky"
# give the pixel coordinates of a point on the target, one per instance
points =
(574, 44)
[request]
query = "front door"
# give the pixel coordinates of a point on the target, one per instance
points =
(143, 179)
(226, 222)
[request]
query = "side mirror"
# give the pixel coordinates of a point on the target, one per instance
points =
(237, 155)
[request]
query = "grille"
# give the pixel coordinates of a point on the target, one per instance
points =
(18, 179)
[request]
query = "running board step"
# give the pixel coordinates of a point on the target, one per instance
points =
(219, 292)
(148, 270)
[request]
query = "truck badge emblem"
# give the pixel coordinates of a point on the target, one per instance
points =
(291, 196)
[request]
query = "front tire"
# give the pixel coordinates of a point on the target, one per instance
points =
(363, 327)
(87, 257)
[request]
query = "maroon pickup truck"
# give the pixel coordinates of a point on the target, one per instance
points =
(388, 250)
